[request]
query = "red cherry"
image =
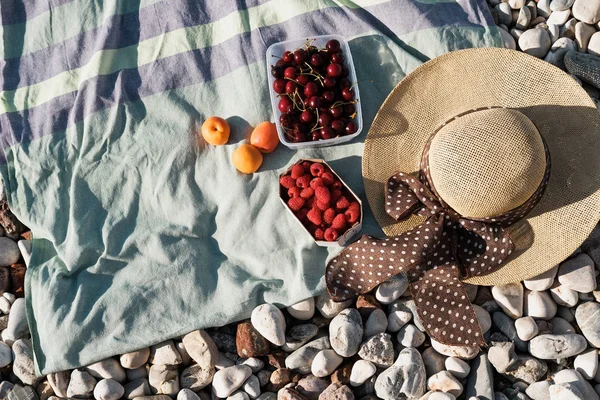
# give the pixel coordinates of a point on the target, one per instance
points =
(299, 56)
(327, 133)
(332, 46)
(328, 96)
(316, 60)
(325, 119)
(347, 93)
(308, 117)
(337, 58)
(349, 109)
(288, 56)
(351, 127)
(337, 125)
(345, 82)
(345, 71)
(282, 64)
(279, 86)
(290, 87)
(329, 82)
(333, 70)
(285, 105)
(286, 120)
(290, 72)
(310, 89)
(303, 79)
(316, 135)
(314, 102)
(336, 112)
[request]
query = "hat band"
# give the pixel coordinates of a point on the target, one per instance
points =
(435, 255)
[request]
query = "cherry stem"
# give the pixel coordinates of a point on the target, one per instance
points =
(293, 80)
(342, 103)
(316, 122)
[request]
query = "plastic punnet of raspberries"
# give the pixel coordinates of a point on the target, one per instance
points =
(319, 200)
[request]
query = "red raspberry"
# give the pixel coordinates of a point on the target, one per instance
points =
(342, 203)
(297, 171)
(301, 215)
(296, 203)
(322, 194)
(316, 182)
(339, 222)
(303, 182)
(319, 234)
(337, 185)
(327, 178)
(352, 214)
(294, 192)
(306, 165)
(331, 235)
(307, 193)
(287, 182)
(317, 169)
(329, 215)
(322, 206)
(354, 205)
(336, 194)
(314, 216)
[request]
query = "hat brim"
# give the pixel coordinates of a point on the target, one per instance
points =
(467, 79)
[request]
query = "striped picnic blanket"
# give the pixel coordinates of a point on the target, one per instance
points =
(139, 235)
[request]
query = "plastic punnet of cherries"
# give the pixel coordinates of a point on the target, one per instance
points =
(316, 98)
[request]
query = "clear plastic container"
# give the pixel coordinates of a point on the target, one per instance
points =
(277, 50)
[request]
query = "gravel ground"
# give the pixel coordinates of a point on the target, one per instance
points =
(543, 335)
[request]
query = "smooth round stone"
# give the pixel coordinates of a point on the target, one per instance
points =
(164, 379)
(187, 394)
(587, 364)
(504, 13)
(539, 305)
(269, 321)
(539, 390)
(507, 327)
(509, 40)
(578, 274)
(361, 371)
(201, 348)
(543, 8)
(559, 17)
(17, 322)
(440, 396)
(563, 296)
(583, 34)
(560, 326)
(5, 355)
(239, 395)
(516, 4)
(9, 252)
(399, 316)
(485, 321)
(23, 366)
(588, 319)
(510, 299)
(556, 55)
(81, 384)
(135, 359)
(594, 44)
(252, 387)
(4, 305)
(133, 374)
(457, 367)
(444, 382)
(329, 308)
(462, 352)
(228, 380)
(108, 389)
(346, 332)
(523, 19)
(587, 11)
(554, 32)
(379, 350)
(107, 369)
(136, 388)
(310, 386)
(543, 281)
(574, 378)
(502, 356)
(325, 362)
(561, 5)
(405, 378)
(535, 42)
(410, 336)
(376, 323)
(59, 382)
(526, 328)
(434, 361)
(551, 347)
(391, 289)
(568, 30)
(480, 382)
(298, 336)
(254, 363)
(303, 310)
(516, 33)
(301, 359)
(196, 377)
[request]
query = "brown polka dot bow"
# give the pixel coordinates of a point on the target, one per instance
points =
(435, 256)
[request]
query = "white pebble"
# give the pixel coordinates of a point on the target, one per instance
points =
(563, 296)
(269, 321)
(526, 328)
(391, 289)
(376, 323)
(228, 380)
(543, 281)
(165, 353)
(325, 362)
(108, 389)
(361, 371)
(510, 298)
(303, 310)
(587, 364)
(410, 336)
(539, 305)
(457, 367)
(559, 17)
(578, 273)
(485, 321)
(9, 252)
(444, 382)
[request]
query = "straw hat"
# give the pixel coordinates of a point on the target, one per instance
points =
(486, 162)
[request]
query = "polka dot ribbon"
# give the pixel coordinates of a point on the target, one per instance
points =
(435, 255)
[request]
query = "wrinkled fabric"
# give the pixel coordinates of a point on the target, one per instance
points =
(142, 232)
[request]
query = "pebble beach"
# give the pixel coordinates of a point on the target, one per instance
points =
(542, 334)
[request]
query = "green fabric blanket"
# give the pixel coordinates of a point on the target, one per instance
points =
(141, 235)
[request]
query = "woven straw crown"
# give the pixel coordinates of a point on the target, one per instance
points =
(487, 162)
